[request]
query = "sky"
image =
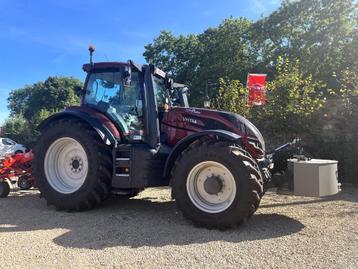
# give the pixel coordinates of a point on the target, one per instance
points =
(41, 38)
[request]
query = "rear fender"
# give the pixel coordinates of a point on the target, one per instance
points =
(108, 136)
(184, 143)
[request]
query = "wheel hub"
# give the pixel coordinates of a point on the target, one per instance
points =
(213, 184)
(76, 164)
(66, 165)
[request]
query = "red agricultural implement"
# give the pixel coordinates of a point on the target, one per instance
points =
(16, 169)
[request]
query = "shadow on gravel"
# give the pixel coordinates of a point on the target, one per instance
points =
(130, 222)
(349, 194)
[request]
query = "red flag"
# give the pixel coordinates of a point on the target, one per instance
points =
(256, 83)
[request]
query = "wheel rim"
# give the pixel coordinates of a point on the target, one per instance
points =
(211, 187)
(66, 165)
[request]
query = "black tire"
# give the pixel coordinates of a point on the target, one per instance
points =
(4, 189)
(97, 182)
(247, 178)
(24, 183)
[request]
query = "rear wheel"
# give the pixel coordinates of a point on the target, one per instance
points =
(72, 166)
(4, 189)
(216, 184)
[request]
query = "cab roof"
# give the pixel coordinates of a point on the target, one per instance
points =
(114, 65)
(103, 65)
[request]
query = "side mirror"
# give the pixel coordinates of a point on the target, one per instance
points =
(127, 74)
(139, 107)
(183, 96)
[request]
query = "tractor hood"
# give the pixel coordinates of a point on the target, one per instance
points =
(199, 119)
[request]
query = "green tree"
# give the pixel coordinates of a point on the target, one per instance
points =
(200, 60)
(176, 55)
(232, 96)
(52, 95)
(343, 106)
(292, 98)
(323, 34)
(32, 104)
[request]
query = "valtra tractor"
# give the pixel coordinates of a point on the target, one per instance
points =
(134, 129)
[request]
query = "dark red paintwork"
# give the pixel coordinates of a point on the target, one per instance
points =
(179, 122)
(100, 116)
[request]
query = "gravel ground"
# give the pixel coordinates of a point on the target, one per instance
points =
(148, 232)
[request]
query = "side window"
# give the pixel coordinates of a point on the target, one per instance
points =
(159, 90)
(107, 91)
(103, 87)
(130, 107)
(131, 94)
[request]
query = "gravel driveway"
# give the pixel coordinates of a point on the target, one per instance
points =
(148, 232)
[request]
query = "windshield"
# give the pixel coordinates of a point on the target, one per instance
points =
(107, 92)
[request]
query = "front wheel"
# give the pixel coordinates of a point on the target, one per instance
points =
(216, 184)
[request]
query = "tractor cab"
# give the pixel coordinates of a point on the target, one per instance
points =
(134, 97)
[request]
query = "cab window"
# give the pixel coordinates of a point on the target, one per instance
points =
(107, 92)
(159, 90)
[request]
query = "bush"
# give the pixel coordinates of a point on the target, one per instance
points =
(292, 98)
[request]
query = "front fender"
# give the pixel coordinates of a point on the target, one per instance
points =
(184, 143)
(108, 136)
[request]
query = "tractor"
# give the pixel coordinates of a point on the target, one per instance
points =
(135, 129)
